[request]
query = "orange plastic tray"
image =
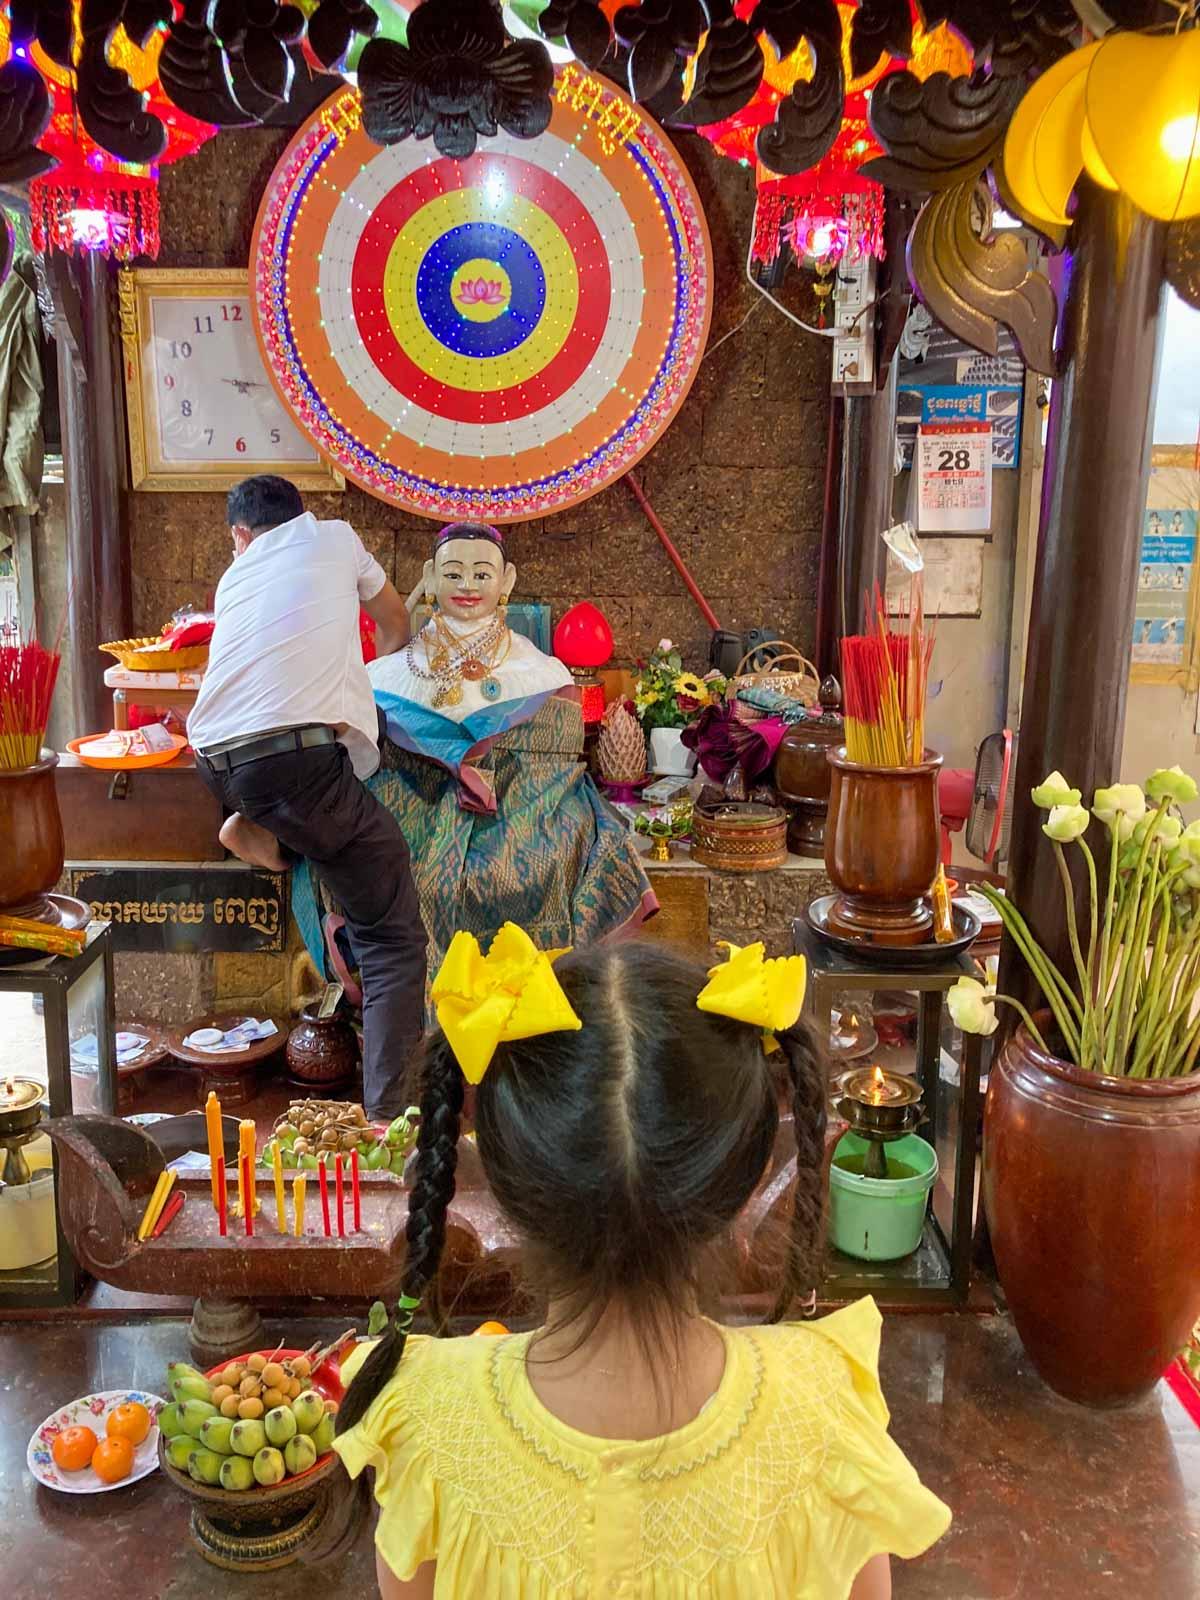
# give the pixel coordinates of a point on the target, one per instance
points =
(155, 758)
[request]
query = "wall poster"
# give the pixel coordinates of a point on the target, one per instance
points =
(1166, 635)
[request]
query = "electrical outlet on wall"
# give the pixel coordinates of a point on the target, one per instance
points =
(854, 320)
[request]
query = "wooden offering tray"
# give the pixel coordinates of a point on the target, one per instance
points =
(231, 1075)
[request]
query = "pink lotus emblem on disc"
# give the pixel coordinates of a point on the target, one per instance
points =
(481, 292)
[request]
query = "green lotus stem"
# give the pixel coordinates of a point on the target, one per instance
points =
(1009, 1000)
(1162, 987)
(1044, 970)
(1102, 995)
(1051, 981)
(1135, 956)
(1130, 896)
(1087, 1032)
(1093, 907)
(1154, 997)
(1180, 991)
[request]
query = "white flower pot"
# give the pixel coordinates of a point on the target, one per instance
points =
(668, 754)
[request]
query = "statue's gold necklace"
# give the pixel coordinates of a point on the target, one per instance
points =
(474, 657)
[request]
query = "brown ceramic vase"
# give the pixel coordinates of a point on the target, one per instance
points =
(881, 848)
(31, 860)
(1092, 1190)
(321, 1051)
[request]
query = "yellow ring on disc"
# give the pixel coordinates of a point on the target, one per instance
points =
(475, 373)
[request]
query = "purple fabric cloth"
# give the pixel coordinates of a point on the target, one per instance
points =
(722, 741)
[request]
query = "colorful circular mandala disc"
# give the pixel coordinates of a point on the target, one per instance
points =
(493, 338)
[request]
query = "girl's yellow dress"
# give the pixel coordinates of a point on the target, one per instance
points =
(785, 1485)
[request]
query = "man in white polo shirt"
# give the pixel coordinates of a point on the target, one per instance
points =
(285, 728)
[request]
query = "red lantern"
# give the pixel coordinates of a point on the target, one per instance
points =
(90, 200)
(831, 210)
(583, 637)
(583, 641)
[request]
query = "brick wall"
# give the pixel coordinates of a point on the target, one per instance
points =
(737, 480)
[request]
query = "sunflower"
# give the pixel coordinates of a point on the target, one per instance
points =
(689, 684)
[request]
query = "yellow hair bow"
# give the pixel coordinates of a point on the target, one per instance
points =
(749, 988)
(511, 993)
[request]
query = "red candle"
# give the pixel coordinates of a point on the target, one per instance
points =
(222, 1196)
(248, 1192)
(321, 1174)
(341, 1202)
(170, 1211)
(355, 1195)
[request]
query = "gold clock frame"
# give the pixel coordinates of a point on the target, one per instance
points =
(148, 471)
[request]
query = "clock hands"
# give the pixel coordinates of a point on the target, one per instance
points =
(244, 385)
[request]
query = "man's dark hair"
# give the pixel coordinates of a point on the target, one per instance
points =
(263, 502)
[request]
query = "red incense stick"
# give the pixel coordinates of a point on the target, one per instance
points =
(355, 1195)
(222, 1198)
(248, 1194)
(321, 1173)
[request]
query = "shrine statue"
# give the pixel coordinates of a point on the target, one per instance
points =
(481, 768)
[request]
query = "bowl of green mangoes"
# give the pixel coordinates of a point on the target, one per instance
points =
(251, 1444)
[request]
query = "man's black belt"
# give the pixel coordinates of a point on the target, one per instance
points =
(271, 744)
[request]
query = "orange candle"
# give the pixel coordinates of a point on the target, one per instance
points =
(216, 1141)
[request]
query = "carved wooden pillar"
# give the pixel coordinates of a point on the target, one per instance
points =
(1085, 578)
(98, 583)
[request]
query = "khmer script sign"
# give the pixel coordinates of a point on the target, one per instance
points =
(185, 908)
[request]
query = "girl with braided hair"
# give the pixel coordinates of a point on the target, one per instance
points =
(625, 1111)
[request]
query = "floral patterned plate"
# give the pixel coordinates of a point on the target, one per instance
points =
(92, 1411)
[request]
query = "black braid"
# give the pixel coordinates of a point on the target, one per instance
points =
(429, 1200)
(806, 1242)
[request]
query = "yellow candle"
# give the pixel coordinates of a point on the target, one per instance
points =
(216, 1140)
(298, 1186)
(247, 1146)
(277, 1164)
(157, 1201)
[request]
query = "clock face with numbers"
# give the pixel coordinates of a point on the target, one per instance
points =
(202, 412)
(496, 337)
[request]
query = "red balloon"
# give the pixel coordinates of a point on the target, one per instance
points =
(583, 638)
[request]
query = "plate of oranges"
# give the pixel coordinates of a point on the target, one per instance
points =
(100, 1442)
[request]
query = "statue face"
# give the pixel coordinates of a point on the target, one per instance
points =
(470, 577)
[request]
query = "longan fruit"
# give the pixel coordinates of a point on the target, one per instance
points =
(256, 1363)
(233, 1375)
(221, 1392)
(331, 1408)
(301, 1366)
(272, 1398)
(230, 1406)
(248, 1410)
(273, 1375)
(251, 1388)
(293, 1388)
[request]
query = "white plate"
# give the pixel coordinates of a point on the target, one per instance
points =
(92, 1411)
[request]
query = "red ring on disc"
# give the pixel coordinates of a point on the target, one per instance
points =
(379, 337)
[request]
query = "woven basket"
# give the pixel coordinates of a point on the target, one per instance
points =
(739, 836)
(800, 682)
(137, 655)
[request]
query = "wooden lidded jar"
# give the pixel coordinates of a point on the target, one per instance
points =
(802, 771)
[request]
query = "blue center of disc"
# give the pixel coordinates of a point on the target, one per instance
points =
(524, 288)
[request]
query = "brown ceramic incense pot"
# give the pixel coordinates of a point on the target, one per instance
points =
(31, 861)
(881, 848)
(321, 1051)
(1092, 1189)
(802, 774)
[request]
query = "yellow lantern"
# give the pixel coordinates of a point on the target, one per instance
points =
(1044, 148)
(1142, 103)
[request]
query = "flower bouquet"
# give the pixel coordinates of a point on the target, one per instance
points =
(665, 696)
(1127, 1005)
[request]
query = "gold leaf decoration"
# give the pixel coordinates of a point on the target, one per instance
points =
(972, 279)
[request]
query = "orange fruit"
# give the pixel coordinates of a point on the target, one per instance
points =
(74, 1448)
(113, 1460)
(129, 1421)
(491, 1329)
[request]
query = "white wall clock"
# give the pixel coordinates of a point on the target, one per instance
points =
(202, 412)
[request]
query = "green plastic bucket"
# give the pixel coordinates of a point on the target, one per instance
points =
(880, 1219)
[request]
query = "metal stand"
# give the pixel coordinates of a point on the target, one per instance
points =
(76, 995)
(940, 1270)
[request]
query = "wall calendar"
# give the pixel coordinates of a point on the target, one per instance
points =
(201, 410)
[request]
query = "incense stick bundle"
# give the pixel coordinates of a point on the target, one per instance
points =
(28, 672)
(885, 675)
